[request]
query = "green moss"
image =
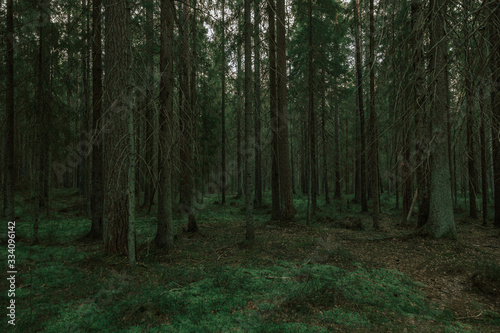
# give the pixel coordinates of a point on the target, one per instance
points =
(346, 318)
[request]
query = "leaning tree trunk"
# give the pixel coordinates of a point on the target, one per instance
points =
(286, 192)
(441, 222)
(165, 230)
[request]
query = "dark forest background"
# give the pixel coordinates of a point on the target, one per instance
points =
(313, 142)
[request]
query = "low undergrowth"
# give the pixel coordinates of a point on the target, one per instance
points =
(290, 280)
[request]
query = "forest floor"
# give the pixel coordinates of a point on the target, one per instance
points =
(335, 274)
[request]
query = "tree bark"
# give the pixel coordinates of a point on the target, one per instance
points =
(239, 157)
(312, 120)
(373, 128)
(44, 103)
(84, 179)
(249, 150)
(494, 24)
(223, 107)
(347, 167)
(117, 129)
(324, 142)
(361, 112)
(149, 108)
(286, 194)
(257, 94)
(422, 126)
(9, 211)
(96, 204)
(165, 230)
(469, 105)
(441, 222)
(338, 180)
(484, 166)
(273, 106)
(186, 123)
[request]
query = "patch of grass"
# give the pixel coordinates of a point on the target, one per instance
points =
(489, 269)
(220, 298)
(295, 278)
(341, 317)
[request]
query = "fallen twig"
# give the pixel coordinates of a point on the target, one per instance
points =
(470, 317)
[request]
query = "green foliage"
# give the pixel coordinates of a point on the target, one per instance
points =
(77, 317)
(347, 318)
(489, 269)
(63, 288)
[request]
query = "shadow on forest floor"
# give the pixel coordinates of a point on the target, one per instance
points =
(333, 275)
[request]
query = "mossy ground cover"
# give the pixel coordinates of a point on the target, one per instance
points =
(333, 275)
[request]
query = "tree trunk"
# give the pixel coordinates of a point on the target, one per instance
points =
(291, 156)
(150, 110)
(96, 205)
(494, 24)
(131, 158)
(406, 172)
(441, 222)
(250, 229)
(422, 126)
(312, 120)
(258, 148)
(223, 107)
(44, 103)
(324, 142)
(117, 130)
(239, 157)
(469, 105)
(165, 230)
(338, 182)
(373, 128)
(8, 207)
(186, 123)
(84, 178)
(288, 210)
(196, 170)
(361, 112)
(348, 167)
(484, 166)
(275, 182)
